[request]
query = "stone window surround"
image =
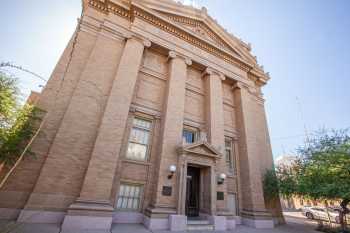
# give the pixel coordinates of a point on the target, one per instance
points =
(232, 166)
(142, 195)
(136, 113)
(149, 131)
(195, 130)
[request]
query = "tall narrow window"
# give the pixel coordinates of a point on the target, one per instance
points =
(139, 139)
(229, 152)
(129, 197)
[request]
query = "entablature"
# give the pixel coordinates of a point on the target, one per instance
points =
(223, 51)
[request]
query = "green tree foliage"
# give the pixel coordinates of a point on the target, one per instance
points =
(270, 184)
(324, 169)
(16, 121)
(321, 172)
(8, 100)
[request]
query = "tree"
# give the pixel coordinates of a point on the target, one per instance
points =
(8, 100)
(16, 121)
(321, 172)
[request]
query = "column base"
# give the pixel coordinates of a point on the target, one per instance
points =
(82, 224)
(257, 219)
(40, 216)
(157, 218)
(85, 216)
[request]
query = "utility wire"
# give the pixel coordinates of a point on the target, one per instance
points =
(8, 64)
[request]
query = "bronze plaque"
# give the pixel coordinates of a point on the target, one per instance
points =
(167, 190)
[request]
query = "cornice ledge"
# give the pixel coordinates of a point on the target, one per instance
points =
(259, 77)
(109, 6)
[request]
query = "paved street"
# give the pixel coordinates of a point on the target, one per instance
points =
(295, 224)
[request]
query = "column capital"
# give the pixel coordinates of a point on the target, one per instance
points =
(250, 89)
(241, 85)
(130, 36)
(238, 85)
(172, 54)
(210, 71)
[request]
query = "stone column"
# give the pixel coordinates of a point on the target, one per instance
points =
(215, 126)
(93, 208)
(252, 147)
(63, 171)
(172, 125)
(215, 111)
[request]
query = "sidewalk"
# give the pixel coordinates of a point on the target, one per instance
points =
(136, 228)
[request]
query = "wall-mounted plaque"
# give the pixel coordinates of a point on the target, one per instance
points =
(167, 190)
(220, 196)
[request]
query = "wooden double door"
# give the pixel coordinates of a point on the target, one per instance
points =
(192, 191)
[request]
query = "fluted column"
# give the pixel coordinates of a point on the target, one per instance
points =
(215, 127)
(172, 125)
(96, 190)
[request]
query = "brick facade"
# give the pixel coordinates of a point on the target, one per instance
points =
(174, 68)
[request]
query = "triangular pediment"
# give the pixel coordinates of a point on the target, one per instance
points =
(201, 148)
(202, 30)
(199, 22)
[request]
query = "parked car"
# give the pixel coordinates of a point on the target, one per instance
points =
(320, 213)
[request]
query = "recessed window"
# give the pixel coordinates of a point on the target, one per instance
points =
(229, 154)
(189, 136)
(129, 197)
(139, 139)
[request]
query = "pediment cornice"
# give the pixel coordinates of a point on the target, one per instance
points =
(201, 148)
(202, 29)
(136, 10)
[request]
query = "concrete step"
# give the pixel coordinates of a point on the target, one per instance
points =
(199, 225)
(198, 222)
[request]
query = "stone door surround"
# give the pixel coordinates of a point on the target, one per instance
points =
(203, 155)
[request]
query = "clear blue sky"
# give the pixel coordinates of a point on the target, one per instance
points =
(305, 45)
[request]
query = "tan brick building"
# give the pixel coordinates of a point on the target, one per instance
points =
(158, 119)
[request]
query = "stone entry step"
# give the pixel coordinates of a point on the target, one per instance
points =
(199, 225)
(198, 222)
